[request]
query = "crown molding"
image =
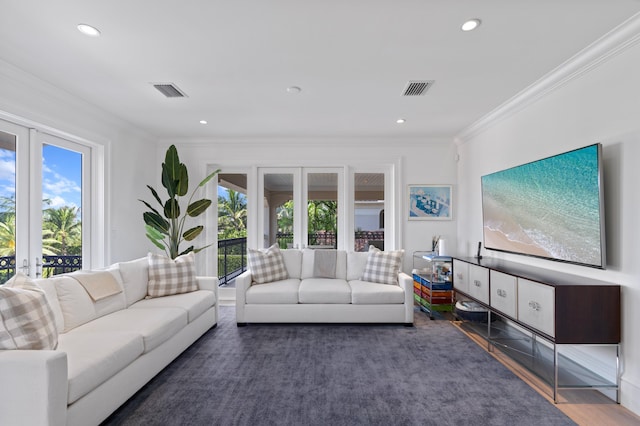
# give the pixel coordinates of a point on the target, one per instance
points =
(605, 48)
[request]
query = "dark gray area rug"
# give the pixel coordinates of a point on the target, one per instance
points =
(430, 374)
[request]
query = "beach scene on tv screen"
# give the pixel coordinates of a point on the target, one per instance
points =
(548, 208)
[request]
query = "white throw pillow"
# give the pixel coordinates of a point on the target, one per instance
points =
(382, 266)
(167, 276)
(135, 279)
(267, 265)
(26, 319)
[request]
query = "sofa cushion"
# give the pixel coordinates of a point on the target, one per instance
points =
(267, 265)
(154, 325)
(194, 303)
(356, 261)
(135, 278)
(292, 262)
(26, 319)
(324, 290)
(77, 306)
(278, 292)
(171, 276)
(93, 358)
(382, 266)
(366, 293)
(49, 287)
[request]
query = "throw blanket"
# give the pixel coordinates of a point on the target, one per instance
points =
(99, 284)
(324, 263)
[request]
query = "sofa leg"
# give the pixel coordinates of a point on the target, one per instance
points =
(408, 324)
(241, 324)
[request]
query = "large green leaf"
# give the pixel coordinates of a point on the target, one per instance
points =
(156, 242)
(154, 233)
(168, 181)
(208, 178)
(188, 250)
(198, 250)
(156, 221)
(155, 194)
(198, 207)
(149, 206)
(172, 209)
(182, 185)
(192, 233)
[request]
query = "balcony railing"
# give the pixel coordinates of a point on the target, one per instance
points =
(232, 259)
(51, 265)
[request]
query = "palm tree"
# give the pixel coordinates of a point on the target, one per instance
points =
(8, 235)
(232, 215)
(65, 228)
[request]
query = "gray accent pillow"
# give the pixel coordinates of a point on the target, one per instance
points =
(267, 265)
(171, 276)
(382, 266)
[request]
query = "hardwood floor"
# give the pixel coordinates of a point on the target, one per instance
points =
(585, 407)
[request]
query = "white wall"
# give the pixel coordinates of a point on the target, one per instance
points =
(24, 97)
(600, 105)
(416, 161)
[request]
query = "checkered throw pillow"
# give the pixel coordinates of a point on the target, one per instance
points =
(382, 266)
(267, 265)
(167, 276)
(26, 319)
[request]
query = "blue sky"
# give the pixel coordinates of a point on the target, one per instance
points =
(61, 176)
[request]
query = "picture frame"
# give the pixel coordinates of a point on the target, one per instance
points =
(430, 202)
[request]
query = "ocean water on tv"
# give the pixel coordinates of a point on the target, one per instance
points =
(551, 204)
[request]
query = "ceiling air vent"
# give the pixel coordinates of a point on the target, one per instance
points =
(170, 90)
(417, 87)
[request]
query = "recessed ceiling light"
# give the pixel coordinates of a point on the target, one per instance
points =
(203, 121)
(294, 89)
(471, 24)
(401, 121)
(88, 30)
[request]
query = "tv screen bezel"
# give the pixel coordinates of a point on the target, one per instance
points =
(603, 256)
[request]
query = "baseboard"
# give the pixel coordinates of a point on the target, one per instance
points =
(630, 396)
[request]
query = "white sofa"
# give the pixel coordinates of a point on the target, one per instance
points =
(303, 298)
(106, 350)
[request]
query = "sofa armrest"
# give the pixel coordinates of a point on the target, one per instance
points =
(243, 282)
(208, 283)
(406, 282)
(34, 387)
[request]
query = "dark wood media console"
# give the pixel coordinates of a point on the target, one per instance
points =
(561, 308)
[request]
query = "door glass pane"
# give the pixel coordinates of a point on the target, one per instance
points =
(61, 210)
(322, 210)
(369, 211)
(278, 209)
(7, 206)
(232, 227)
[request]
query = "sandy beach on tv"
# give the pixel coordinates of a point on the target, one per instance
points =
(497, 240)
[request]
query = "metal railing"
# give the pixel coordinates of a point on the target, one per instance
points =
(51, 265)
(232, 259)
(363, 239)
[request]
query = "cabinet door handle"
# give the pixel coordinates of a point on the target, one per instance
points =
(459, 275)
(502, 293)
(534, 305)
(477, 283)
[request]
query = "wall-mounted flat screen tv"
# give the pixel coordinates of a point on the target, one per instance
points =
(551, 208)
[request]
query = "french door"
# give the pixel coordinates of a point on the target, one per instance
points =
(44, 208)
(301, 207)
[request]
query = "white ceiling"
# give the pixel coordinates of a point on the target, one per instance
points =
(352, 59)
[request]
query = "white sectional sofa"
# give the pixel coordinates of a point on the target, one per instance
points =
(107, 350)
(305, 298)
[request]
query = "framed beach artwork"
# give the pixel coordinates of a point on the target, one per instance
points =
(430, 202)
